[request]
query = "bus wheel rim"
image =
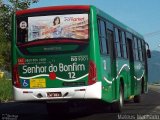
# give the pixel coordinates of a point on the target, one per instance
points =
(121, 98)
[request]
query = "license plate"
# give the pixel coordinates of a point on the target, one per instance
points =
(54, 94)
(38, 83)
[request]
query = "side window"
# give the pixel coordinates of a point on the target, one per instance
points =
(135, 49)
(143, 45)
(110, 34)
(124, 46)
(102, 37)
(117, 43)
(140, 49)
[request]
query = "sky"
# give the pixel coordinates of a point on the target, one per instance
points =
(141, 15)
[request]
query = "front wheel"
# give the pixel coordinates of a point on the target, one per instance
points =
(117, 106)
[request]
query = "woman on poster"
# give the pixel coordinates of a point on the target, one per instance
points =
(57, 29)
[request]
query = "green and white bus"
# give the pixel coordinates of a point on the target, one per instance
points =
(77, 53)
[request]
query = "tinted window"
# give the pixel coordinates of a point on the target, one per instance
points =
(135, 46)
(117, 43)
(110, 36)
(102, 36)
(104, 47)
(102, 29)
(143, 45)
(124, 45)
(140, 49)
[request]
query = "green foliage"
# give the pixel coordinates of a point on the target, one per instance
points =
(5, 90)
(7, 9)
(2, 47)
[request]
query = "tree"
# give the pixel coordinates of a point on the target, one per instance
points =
(2, 47)
(7, 9)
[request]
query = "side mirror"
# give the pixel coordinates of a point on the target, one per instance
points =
(148, 53)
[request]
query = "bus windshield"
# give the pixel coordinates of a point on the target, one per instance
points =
(35, 28)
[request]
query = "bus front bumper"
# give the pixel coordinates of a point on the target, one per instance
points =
(83, 92)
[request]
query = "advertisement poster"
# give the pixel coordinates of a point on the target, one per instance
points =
(58, 26)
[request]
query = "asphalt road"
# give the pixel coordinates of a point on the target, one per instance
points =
(148, 109)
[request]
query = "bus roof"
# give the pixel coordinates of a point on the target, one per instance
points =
(66, 7)
(116, 22)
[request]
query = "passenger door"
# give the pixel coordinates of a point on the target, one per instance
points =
(131, 61)
(110, 38)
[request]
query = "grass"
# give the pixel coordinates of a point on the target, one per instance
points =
(5, 90)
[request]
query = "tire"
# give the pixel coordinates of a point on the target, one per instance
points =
(142, 86)
(116, 107)
(137, 98)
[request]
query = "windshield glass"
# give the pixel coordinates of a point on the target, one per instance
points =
(74, 26)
